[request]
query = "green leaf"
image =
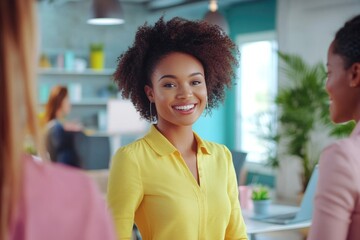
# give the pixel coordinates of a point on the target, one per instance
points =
(260, 192)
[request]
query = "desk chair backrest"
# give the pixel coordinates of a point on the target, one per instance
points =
(93, 151)
(60, 144)
(238, 161)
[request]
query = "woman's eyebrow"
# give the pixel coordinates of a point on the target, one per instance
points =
(167, 76)
(197, 73)
(174, 77)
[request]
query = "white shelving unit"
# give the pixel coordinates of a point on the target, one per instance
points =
(60, 71)
(86, 102)
(87, 89)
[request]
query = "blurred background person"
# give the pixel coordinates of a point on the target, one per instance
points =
(38, 200)
(59, 133)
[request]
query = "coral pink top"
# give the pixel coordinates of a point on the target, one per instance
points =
(337, 199)
(59, 203)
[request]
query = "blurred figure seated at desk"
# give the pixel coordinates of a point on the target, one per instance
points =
(59, 135)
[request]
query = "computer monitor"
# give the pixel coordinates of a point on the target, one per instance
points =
(123, 118)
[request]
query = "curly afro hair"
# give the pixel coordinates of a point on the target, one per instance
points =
(208, 43)
(347, 42)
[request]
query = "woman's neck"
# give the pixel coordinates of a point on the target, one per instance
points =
(182, 137)
(59, 115)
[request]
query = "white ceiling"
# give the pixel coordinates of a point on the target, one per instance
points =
(157, 5)
(160, 5)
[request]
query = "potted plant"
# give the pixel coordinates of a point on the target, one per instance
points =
(97, 56)
(303, 108)
(261, 200)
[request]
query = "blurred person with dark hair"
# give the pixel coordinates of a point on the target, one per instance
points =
(38, 200)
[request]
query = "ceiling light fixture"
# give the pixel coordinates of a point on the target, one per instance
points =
(106, 12)
(214, 17)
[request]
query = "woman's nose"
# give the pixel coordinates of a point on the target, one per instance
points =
(327, 85)
(184, 92)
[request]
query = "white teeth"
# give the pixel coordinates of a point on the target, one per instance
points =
(185, 108)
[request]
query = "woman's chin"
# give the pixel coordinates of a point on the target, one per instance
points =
(339, 119)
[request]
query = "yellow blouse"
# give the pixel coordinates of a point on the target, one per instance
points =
(150, 183)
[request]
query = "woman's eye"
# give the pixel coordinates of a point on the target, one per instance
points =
(196, 82)
(169, 85)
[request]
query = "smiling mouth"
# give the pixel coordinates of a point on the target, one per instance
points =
(185, 107)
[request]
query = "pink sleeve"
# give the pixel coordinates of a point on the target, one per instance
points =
(335, 195)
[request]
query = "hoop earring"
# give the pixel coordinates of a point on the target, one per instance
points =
(152, 117)
(206, 110)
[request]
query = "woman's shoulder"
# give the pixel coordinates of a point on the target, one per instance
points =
(54, 123)
(64, 179)
(342, 155)
(65, 200)
(347, 147)
(218, 151)
(215, 146)
(54, 127)
(132, 147)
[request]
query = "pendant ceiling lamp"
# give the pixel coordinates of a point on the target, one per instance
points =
(214, 17)
(106, 12)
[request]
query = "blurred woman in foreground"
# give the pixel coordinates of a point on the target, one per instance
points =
(37, 200)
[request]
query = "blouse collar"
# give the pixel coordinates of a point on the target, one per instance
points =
(162, 146)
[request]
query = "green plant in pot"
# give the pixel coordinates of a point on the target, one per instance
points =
(97, 57)
(112, 89)
(261, 199)
(304, 109)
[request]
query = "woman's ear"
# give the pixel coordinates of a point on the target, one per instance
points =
(149, 93)
(355, 75)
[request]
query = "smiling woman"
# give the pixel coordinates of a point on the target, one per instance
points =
(171, 182)
(342, 88)
(337, 200)
(179, 97)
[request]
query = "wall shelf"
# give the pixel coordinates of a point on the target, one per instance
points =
(88, 102)
(91, 102)
(58, 71)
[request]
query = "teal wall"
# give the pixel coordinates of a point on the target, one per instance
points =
(243, 18)
(210, 127)
(251, 17)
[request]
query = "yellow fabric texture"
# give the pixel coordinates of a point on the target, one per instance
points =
(150, 183)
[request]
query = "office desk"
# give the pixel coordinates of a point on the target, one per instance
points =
(114, 138)
(92, 150)
(254, 227)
